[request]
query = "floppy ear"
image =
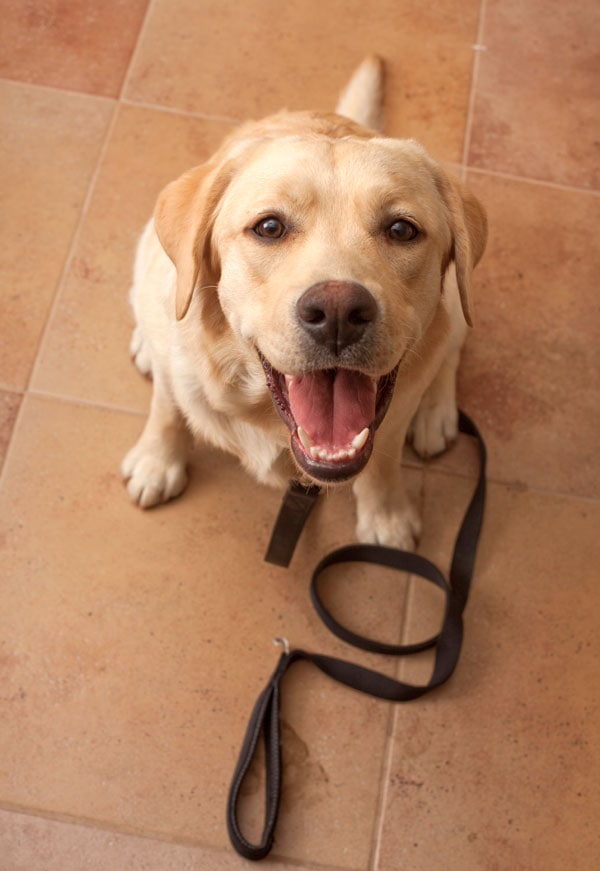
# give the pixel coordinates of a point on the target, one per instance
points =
(469, 233)
(183, 220)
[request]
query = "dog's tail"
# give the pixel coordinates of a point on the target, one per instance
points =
(362, 98)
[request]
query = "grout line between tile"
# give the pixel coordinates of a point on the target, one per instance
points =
(84, 403)
(74, 241)
(104, 826)
(10, 388)
(386, 769)
(304, 864)
(524, 179)
(393, 717)
(136, 49)
(85, 95)
(175, 841)
(10, 447)
(184, 113)
(515, 484)
(477, 49)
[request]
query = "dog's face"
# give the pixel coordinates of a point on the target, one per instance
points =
(328, 255)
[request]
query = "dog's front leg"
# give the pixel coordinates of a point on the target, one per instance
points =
(155, 468)
(385, 513)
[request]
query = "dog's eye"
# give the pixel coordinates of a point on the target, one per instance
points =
(402, 231)
(269, 228)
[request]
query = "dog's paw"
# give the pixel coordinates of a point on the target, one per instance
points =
(434, 428)
(399, 528)
(153, 478)
(140, 353)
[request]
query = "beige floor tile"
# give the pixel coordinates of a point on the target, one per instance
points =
(29, 843)
(529, 375)
(92, 322)
(498, 769)
(79, 45)
(134, 646)
(300, 56)
(536, 108)
(50, 146)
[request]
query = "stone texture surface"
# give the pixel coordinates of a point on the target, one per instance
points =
(132, 644)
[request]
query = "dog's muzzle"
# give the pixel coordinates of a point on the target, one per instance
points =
(333, 412)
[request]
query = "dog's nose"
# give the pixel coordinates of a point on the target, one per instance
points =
(336, 313)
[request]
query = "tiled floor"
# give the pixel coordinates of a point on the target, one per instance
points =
(133, 645)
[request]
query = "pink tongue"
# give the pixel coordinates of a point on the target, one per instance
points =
(332, 405)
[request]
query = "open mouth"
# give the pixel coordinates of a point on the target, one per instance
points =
(332, 415)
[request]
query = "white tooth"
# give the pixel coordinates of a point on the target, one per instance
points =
(305, 439)
(360, 440)
(318, 453)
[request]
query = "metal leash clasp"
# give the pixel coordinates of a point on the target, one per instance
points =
(280, 641)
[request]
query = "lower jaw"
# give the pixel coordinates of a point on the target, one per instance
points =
(334, 471)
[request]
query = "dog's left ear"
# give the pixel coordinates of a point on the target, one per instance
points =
(469, 235)
(183, 220)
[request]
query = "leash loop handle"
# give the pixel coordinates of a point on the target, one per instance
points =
(265, 718)
(265, 721)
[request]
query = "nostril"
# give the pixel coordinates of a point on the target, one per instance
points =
(361, 315)
(313, 315)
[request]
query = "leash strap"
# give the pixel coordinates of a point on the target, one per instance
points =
(265, 719)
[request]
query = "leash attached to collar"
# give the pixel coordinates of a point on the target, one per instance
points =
(265, 718)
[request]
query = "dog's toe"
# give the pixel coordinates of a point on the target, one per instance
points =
(399, 528)
(434, 428)
(152, 479)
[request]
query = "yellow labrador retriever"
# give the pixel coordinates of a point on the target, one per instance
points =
(300, 301)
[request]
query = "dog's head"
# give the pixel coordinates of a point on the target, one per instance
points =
(323, 248)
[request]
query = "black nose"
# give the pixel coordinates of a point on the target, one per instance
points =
(336, 313)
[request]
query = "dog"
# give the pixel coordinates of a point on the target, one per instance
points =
(300, 301)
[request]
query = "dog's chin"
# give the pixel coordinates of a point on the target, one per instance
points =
(332, 415)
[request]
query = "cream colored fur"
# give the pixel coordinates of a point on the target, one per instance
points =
(206, 297)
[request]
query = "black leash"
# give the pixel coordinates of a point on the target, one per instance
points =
(265, 718)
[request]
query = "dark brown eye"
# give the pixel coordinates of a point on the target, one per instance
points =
(269, 228)
(402, 231)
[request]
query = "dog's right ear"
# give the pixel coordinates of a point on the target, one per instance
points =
(183, 219)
